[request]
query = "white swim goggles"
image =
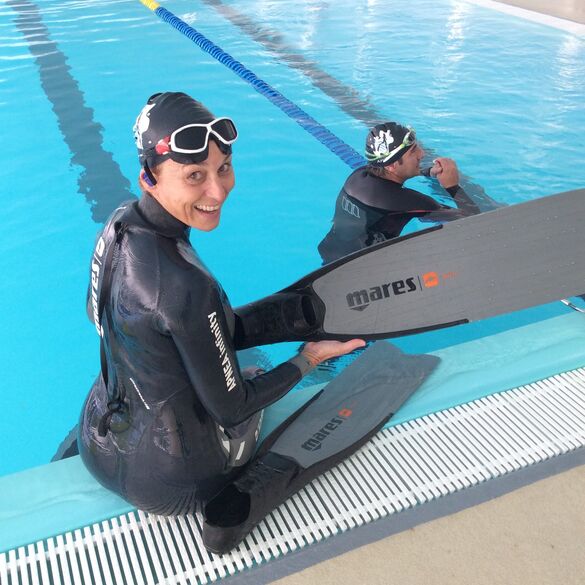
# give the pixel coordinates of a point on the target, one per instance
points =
(381, 154)
(194, 138)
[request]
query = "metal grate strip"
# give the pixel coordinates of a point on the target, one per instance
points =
(401, 467)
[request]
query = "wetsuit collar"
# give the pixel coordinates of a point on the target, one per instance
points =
(164, 223)
(386, 178)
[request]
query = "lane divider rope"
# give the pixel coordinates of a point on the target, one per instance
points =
(341, 149)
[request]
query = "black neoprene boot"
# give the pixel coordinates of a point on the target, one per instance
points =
(235, 510)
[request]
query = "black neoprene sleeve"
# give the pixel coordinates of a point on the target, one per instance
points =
(463, 200)
(208, 355)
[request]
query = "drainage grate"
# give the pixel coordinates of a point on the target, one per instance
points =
(403, 466)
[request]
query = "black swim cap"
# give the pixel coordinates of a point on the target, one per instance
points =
(386, 143)
(161, 116)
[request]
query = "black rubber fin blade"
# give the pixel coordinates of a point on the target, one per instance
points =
(334, 424)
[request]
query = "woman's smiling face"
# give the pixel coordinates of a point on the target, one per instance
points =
(195, 193)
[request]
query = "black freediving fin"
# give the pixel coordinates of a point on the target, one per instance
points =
(335, 423)
(68, 447)
(496, 262)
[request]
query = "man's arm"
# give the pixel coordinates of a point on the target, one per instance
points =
(463, 200)
(446, 172)
(444, 214)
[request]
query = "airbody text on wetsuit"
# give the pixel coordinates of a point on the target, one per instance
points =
(226, 365)
(96, 266)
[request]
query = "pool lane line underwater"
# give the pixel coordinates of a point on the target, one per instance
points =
(345, 152)
(346, 97)
(100, 178)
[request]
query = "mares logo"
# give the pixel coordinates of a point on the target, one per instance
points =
(315, 442)
(96, 268)
(228, 370)
(360, 299)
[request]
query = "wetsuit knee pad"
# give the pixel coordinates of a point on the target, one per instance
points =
(239, 442)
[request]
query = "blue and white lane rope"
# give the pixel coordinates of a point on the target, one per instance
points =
(344, 151)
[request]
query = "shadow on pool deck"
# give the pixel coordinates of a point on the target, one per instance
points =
(531, 536)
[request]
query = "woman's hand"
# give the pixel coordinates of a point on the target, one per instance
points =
(319, 351)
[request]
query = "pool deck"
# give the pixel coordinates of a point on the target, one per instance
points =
(530, 536)
(567, 9)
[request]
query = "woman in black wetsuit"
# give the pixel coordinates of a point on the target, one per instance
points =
(170, 418)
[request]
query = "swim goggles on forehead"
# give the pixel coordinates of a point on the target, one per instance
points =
(408, 140)
(194, 138)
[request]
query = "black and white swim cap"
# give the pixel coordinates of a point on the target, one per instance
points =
(163, 114)
(386, 143)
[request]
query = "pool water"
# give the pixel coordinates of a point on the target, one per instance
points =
(501, 95)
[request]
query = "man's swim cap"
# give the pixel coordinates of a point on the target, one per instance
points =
(386, 143)
(165, 113)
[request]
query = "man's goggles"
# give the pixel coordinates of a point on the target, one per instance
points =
(194, 138)
(408, 140)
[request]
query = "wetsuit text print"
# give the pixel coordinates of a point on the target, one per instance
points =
(96, 266)
(226, 364)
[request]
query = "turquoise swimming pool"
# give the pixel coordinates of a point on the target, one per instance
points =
(501, 95)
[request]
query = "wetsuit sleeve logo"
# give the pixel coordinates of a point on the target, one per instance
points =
(224, 358)
(350, 207)
(96, 271)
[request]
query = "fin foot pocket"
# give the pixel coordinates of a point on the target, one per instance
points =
(285, 316)
(232, 514)
(229, 508)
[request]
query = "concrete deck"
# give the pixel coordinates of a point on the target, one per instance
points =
(568, 9)
(531, 536)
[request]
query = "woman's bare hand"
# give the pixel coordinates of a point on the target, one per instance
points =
(319, 351)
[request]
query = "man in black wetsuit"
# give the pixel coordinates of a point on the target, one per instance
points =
(170, 418)
(373, 204)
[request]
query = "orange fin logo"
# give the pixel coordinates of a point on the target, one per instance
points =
(430, 279)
